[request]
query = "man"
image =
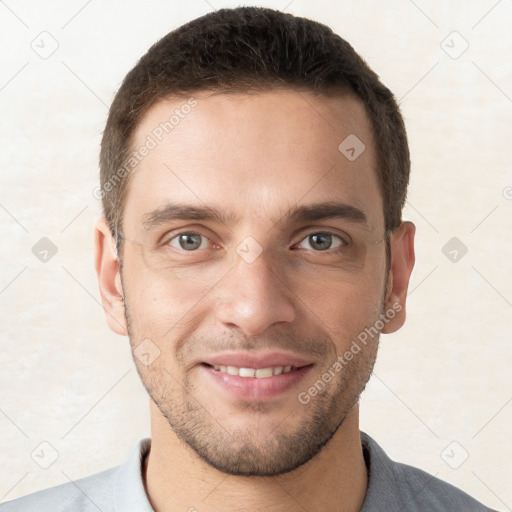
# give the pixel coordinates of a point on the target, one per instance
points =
(253, 174)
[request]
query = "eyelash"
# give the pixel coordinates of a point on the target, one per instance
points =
(344, 243)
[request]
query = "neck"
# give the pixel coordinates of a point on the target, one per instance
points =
(176, 479)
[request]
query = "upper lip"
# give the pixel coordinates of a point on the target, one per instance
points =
(255, 360)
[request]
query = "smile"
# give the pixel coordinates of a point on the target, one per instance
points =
(258, 373)
(246, 383)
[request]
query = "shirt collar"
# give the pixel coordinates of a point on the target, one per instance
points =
(383, 491)
(129, 494)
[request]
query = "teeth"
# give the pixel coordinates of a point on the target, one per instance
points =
(249, 372)
(260, 373)
(232, 370)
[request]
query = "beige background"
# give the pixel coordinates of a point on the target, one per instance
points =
(444, 378)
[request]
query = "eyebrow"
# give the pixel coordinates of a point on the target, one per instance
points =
(296, 214)
(326, 210)
(180, 211)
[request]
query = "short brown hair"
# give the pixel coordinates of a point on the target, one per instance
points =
(251, 49)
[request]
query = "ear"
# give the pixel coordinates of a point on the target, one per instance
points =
(109, 278)
(402, 263)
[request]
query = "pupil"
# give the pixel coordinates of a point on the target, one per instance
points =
(321, 241)
(190, 242)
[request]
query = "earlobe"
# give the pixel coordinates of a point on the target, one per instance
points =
(402, 263)
(109, 278)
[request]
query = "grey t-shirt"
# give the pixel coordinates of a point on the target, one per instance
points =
(392, 487)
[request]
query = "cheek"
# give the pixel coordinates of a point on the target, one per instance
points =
(163, 300)
(343, 304)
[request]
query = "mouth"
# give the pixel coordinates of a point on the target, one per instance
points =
(248, 377)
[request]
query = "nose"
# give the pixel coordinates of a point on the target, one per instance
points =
(253, 297)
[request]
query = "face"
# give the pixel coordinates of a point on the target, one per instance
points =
(253, 259)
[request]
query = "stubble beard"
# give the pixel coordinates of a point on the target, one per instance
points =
(250, 450)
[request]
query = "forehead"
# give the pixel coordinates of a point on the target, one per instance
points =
(254, 155)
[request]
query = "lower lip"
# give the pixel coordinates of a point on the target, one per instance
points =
(253, 388)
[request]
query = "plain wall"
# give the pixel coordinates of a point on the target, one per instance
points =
(441, 388)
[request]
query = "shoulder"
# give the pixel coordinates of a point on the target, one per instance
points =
(427, 491)
(86, 494)
(117, 488)
(396, 486)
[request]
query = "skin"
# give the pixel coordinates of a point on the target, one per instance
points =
(252, 158)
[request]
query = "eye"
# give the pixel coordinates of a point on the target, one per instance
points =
(189, 241)
(322, 241)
